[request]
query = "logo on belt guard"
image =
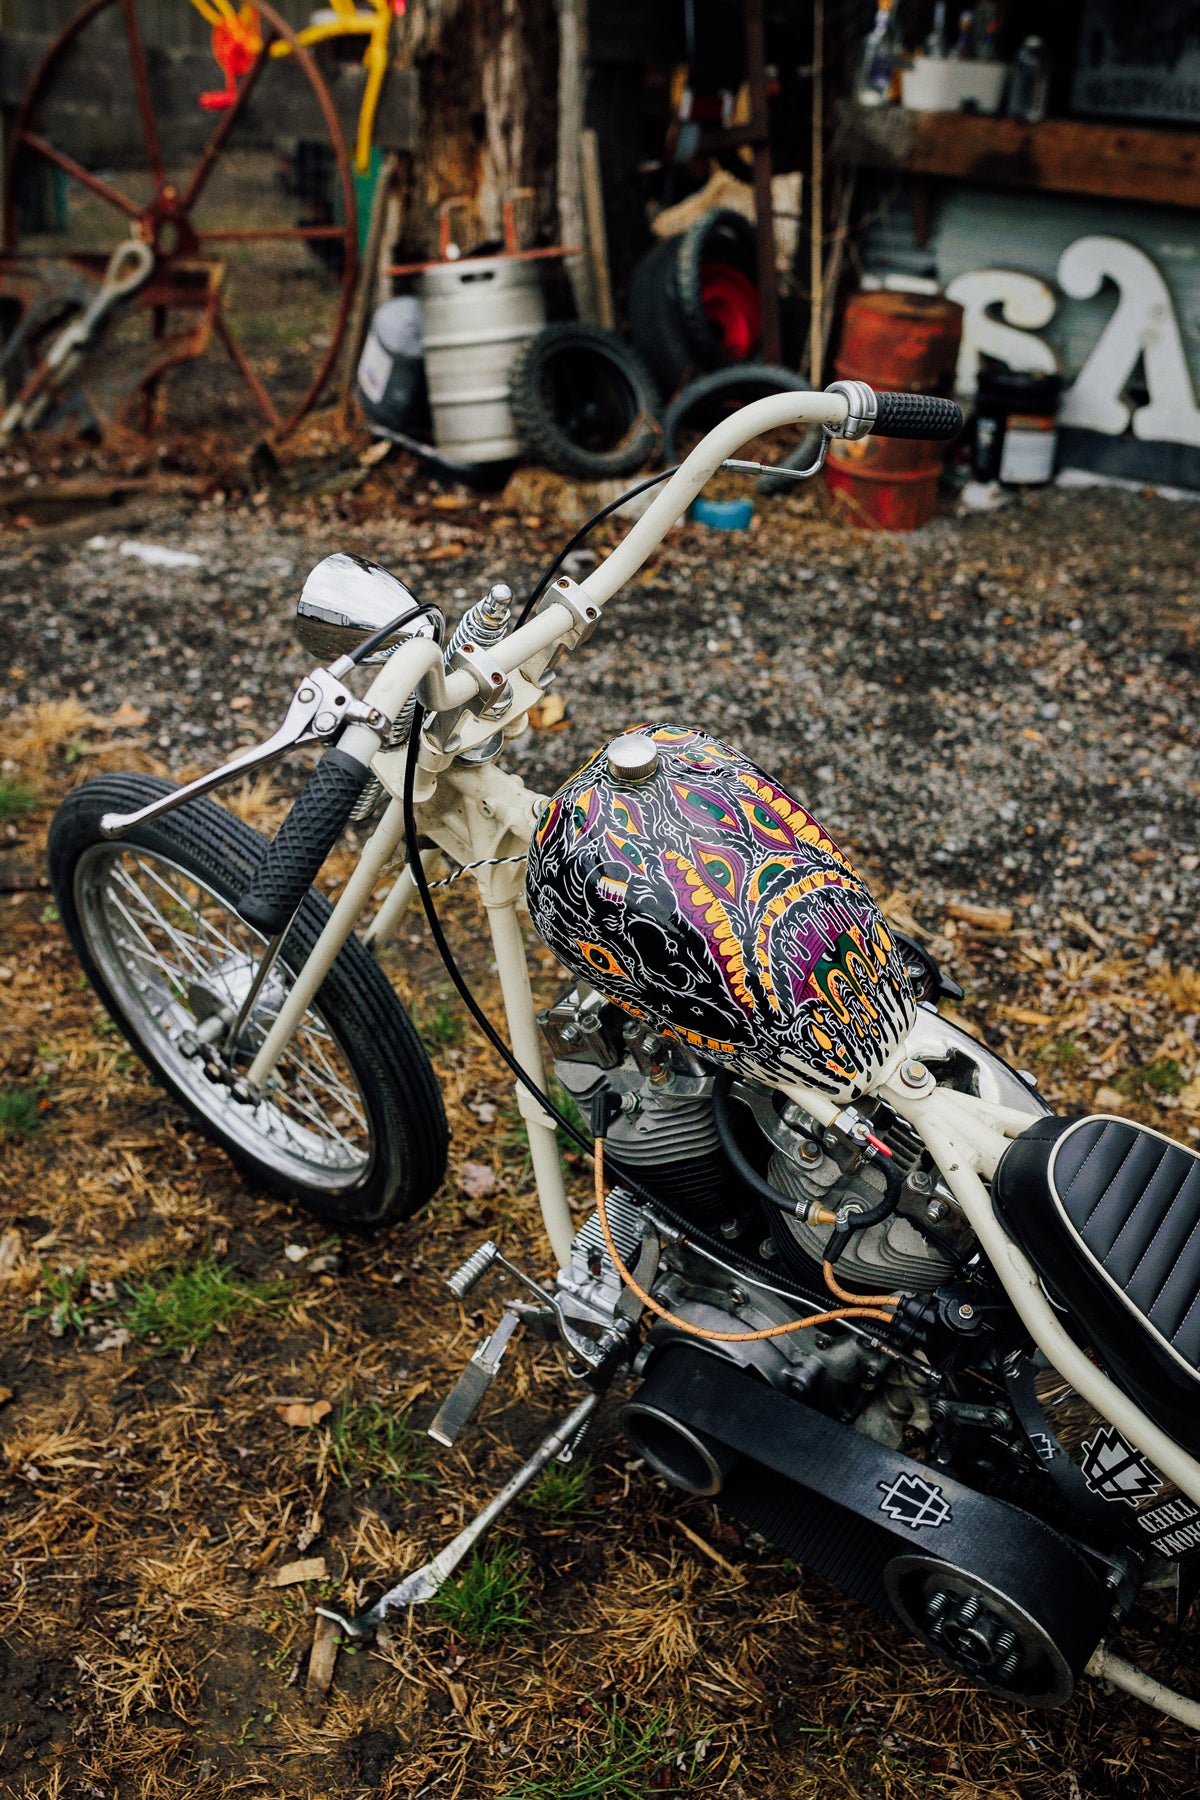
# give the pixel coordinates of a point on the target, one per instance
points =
(1116, 1471)
(913, 1501)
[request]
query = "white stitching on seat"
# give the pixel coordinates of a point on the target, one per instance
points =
(1145, 1253)
(1094, 1151)
(1083, 1165)
(1163, 1155)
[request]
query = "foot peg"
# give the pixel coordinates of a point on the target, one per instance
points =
(473, 1270)
(463, 1401)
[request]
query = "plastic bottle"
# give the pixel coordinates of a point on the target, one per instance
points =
(878, 66)
(935, 43)
(1029, 83)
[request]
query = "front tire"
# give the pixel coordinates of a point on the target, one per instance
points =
(352, 1126)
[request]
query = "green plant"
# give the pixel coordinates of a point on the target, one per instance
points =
(69, 1302)
(16, 799)
(1165, 1076)
(185, 1307)
(566, 1105)
(561, 1490)
(1162, 1077)
(442, 1025)
(21, 1111)
(489, 1597)
(1066, 1050)
(629, 1763)
(370, 1441)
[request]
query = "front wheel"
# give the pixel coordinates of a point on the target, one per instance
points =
(350, 1125)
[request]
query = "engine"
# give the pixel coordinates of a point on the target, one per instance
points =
(730, 1260)
(663, 1131)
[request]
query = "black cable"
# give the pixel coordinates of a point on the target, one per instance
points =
(734, 1153)
(632, 493)
(372, 643)
(472, 1005)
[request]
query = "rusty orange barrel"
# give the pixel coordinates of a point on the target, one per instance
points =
(907, 343)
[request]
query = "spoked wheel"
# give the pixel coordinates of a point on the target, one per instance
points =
(979, 1630)
(351, 1124)
(247, 302)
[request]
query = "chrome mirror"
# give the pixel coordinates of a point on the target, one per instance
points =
(346, 598)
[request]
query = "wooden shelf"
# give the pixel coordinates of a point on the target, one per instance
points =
(1059, 156)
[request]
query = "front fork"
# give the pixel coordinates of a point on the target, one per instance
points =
(472, 826)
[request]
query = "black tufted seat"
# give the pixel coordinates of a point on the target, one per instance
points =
(1109, 1215)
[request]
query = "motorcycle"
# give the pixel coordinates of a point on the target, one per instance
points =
(852, 1276)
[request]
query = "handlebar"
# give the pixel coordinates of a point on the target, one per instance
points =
(847, 409)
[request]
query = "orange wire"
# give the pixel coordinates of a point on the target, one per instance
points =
(831, 1282)
(701, 1331)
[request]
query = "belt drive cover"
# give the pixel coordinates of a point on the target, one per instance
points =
(992, 1589)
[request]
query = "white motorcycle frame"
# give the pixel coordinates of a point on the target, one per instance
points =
(479, 813)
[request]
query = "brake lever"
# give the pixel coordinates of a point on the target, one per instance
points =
(320, 707)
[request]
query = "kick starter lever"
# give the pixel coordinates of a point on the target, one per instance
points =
(320, 707)
(424, 1583)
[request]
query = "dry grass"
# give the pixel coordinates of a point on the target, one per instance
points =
(151, 1494)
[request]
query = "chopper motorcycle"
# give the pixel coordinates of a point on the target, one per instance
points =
(850, 1274)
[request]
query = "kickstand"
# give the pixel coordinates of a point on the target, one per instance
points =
(424, 1583)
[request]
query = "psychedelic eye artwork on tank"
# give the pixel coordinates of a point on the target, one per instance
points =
(708, 901)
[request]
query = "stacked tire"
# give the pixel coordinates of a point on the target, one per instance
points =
(693, 301)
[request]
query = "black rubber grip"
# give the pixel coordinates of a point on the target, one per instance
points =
(917, 416)
(303, 841)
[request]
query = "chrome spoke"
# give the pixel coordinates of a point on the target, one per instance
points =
(158, 930)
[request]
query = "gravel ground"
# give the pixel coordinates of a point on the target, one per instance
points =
(999, 708)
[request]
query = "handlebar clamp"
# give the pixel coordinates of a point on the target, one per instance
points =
(864, 410)
(586, 614)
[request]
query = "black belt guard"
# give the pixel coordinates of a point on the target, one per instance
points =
(986, 1585)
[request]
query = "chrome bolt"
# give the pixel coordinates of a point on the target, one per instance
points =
(324, 721)
(919, 1182)
(306, 693)
(914, 1074)
(966, 1310)
(935, 1211)
(736, 1297)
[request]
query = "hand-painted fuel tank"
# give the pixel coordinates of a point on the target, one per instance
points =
(705, 900)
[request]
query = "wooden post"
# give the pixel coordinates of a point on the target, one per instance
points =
(368, 279)
(816, 278)
(572, 25)
(756, 77)
(597, 235)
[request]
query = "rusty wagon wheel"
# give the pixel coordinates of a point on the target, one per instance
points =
(247, 304)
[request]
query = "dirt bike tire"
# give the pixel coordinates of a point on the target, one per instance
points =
(389, 1162)
(553, 429)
